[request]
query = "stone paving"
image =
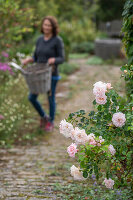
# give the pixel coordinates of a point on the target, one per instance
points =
(30, 172)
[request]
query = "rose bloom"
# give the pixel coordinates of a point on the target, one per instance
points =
(101, 99)
(98, 144)
(101, 140)
(91, 139)
(72, 149)
(79, 136)
(111, 149)
(92, 142)
(109, 183)
(109, 86)
(77, 175)
(65, 128)
(118, 119)
(99, 88)
(125, 71)
(91, 135)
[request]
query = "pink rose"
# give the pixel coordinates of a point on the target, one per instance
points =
(65, 128)
(118, 119)
(109, 86)
(72, 149)
(111, 149)
(76, 173)
(98, 144)
(101, 99)
(99, 88)
(109, 183)
(79, 135)
(92, 142)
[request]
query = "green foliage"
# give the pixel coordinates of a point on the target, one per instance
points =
(110, 10)
(78, 55)
(75, 10)
(78, 191)
(79, 30)
(94, 60)
(17, 22)
(128, 42)
(66, 44)
(83, 47)
(92, 158)
(128, 76)
(22, 20)
(14, 109)
(128, 29)
(67, 68)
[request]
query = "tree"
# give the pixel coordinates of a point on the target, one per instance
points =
(16, 22)
(110, 9)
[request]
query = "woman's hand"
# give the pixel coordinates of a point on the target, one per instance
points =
(51, 61)
(26, 61)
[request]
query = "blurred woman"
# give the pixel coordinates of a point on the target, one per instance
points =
(49, 48)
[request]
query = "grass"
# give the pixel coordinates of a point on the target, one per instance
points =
(95, 60)
(80, 191)
(78, 55)
(68, 68)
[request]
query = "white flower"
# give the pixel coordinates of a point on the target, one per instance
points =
(79, 136)
(91, 139)
(101, 139)
(72, 149)
(118, 119)
(111, 149)
(91, 135)
(77, 175)
(101, 99)
(109, 183)
(65, 128)
(99, 88)
(109, 86)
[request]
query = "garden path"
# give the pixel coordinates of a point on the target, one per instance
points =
(35, 172)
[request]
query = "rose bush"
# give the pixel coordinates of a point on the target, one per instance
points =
(101, 138)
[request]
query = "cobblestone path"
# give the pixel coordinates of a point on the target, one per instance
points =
(32, 172)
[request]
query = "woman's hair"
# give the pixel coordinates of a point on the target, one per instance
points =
(54, 23)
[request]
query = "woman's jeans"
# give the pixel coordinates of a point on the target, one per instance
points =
(51, 100)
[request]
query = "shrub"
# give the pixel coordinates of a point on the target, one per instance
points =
(95, 60)
(102, 138)
(77, 31)
(78, 55)
(14, 109)
(128, 42)
(83, 47)
(67, 68)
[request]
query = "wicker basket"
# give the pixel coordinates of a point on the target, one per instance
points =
(38, 78)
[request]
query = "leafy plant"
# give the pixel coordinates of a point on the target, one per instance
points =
(127, 29)
(67, 68)
(17, 21)
(83, 47)
(95, 60)
(128, 42)
(103, 138)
